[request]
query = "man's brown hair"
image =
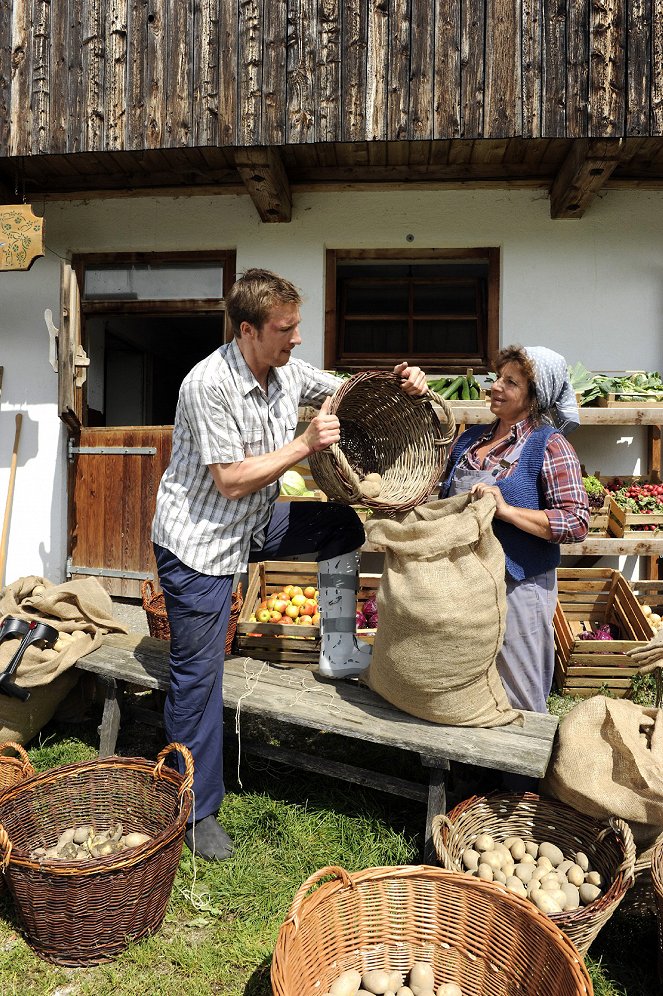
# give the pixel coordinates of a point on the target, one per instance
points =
(254, 294)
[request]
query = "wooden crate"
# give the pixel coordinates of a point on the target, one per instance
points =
(594, 596)
(608, 520)
(649, 593)
(275, 642)
(630, 401)
(632, 522)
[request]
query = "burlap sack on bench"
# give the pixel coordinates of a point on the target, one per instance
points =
(442, 610)
(81, 608)
(608, 761)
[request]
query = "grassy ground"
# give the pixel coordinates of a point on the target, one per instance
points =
(222, 920)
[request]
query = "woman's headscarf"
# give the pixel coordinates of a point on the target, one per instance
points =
(554, 392)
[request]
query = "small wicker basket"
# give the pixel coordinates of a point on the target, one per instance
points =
(81, 913)
(472, 933)
(384, 431)
(657, 882)
(157, 618)
(610, 848)
(13, 769)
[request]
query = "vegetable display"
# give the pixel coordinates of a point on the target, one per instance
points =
(294, 485)
(638, 387)
(596, 491)
(460, 388)
(603, 632)
(645, 499)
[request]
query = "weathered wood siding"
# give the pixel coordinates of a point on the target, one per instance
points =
(110, 75)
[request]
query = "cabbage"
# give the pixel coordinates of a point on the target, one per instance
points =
(294, 485)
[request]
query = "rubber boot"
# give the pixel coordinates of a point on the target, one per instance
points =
(342, 654)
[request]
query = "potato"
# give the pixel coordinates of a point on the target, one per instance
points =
(404, 991)
(395, 980)
(65, 837)
(528, 859)
(545, 902)
(572, 896)
(499, 876)
(81, 834)
(594, 878)
(532, 848)
(449, 989)
(485, 872)
(524, 873)
(484, 842)
(518, 848)
(492, 858)
(514, 884)
(544, 862)
(471, 858)
(136, 839)
(582, 860)
(588, 893)
(370, 489)
(375, 981)
(575, 875)
(552, 852)
(346, 984)
(421, 976)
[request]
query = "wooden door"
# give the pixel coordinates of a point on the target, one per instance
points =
(115, 473)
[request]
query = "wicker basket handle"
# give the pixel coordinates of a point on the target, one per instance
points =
(293, 915)
(26, 764)
(147, 592)
(347, 471)
(5, 849)
(623, 830)
(448, 417)
(439, 823)
(187, 784)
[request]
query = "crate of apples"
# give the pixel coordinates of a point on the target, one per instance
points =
(293, 605)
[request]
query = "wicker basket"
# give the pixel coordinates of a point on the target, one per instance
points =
(472, 933)
(610, 848)
(85, 912)
(657, 882)
(157, 618)
(384, 431)
(13, 769)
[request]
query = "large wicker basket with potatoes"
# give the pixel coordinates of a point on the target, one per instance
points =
(657, 882)
(609, 848)
(83, 912)
(472, 934)
(393, 448)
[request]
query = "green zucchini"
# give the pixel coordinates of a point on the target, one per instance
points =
(452, 388)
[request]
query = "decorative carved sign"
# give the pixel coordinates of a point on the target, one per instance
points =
(21, 237)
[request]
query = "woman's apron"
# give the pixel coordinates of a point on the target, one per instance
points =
(526, 661)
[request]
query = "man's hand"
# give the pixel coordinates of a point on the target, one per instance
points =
(323, 430)
(413, 379)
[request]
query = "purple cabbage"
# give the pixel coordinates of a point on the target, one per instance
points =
(603, 632)
(370, 607)
(361, 622)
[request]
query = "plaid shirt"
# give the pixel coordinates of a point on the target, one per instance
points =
(565, 497)
(223, 416)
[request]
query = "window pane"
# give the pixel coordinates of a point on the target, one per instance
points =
(444, 298)
(455, 336)
(376, 297)
(154, 282)
(375, 337)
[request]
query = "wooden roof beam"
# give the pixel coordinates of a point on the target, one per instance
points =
(586, 168)
(265, 178)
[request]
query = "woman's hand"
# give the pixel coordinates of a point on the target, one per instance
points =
(413, 379)
(479, 490)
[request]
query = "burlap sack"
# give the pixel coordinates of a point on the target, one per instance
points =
(608, 761)
(442, 609)
(81, 608)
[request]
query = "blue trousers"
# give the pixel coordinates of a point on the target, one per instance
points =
(198, 607)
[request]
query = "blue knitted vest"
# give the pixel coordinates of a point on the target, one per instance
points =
(526, 555)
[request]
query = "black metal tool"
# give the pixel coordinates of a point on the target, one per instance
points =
(30, 632)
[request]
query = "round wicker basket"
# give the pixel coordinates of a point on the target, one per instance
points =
(472, 933)
(13, 769)
(85, 912)
(384, 431)
(157, 617)
(610, 848)
(657, 882)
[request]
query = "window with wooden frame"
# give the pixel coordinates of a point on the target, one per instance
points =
(145, 320)
(438, 308)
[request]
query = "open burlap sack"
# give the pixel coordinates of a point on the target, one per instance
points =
(442, 609)
(608, 761)
(81, 608)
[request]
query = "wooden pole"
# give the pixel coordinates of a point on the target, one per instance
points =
(10, 495)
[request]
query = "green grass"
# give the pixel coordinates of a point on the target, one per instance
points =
(222, 920)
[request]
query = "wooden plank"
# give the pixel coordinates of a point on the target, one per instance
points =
(94, 77)
(137, 72)
(41, 77)
(59, 83)
(531, 30)
(472, 70)
(502, 113)
(5, 75)
(577, 68)
(249, 73)
(638, 61)
(377, 68)
(328, 71)
(582, 174)
(180, 47)
(206, 97)
(422, 33)
(301, 58)
(228, 71)
(155, 93)
(553, 81)
(607, 42)
(398, 96)
(115, 89)
(354, 45)
(447, 70)
(656, 121)
(20, 75)
(277, 97)
(264, 176)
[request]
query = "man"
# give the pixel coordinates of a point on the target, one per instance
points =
(216, 511)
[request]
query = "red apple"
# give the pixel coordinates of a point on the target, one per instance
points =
(263, 615)
(309, 591)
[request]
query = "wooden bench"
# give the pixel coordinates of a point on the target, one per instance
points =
(301, 698)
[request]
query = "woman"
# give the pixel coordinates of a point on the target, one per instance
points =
(525, 462)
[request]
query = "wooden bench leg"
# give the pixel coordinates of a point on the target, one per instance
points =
(110, 720)
(437, 801)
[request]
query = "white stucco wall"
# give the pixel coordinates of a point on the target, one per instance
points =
(593, 289)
